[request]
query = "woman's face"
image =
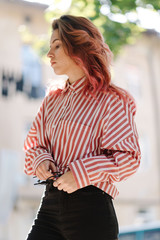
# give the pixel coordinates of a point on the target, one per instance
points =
(60, 61)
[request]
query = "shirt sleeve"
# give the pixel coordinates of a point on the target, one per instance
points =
(120, 147)
(36, 144)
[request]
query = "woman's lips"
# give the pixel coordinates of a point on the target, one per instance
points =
(52, 63)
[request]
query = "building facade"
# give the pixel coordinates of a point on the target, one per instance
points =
(137, 70)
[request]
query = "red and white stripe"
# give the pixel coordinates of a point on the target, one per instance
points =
(95, 138)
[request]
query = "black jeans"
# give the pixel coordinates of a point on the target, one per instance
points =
(87, 214)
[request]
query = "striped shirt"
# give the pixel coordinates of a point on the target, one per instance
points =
(95, 138)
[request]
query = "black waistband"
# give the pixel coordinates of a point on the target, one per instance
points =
(88, 190)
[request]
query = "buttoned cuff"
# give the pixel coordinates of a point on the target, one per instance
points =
(80, 173)
(41, 158)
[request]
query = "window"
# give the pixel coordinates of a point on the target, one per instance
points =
(32, 73)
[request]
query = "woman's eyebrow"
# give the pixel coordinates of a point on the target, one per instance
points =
(54, 41)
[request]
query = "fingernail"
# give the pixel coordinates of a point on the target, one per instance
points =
(54, 184)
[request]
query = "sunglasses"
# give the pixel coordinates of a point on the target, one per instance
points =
(49, 180)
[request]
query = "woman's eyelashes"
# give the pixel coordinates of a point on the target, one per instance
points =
(57, 46)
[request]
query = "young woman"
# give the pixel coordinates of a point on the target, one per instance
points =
(85, 132)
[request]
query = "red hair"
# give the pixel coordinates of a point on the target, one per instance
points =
(85, 44)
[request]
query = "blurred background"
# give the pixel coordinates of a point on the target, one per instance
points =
(132, 30)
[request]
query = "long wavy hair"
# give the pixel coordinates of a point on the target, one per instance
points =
(84, 43)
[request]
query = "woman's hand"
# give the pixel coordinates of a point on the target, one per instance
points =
(45, 169)
(66, 183)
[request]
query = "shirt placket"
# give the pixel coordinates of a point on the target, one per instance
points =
(67, 104)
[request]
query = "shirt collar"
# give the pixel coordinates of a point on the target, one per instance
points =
(75, 86)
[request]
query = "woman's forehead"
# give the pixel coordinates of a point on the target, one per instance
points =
(54, 36)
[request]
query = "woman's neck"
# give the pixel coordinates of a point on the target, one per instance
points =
(75, 75)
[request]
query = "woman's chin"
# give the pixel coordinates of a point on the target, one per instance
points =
(57, 72)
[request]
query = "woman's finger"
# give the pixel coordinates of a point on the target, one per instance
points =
(40, 175)
(44, 170)
(52, 167)
(60, 187)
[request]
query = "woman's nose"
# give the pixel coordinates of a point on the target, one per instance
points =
(50, 54)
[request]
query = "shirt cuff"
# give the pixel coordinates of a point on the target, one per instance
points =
(41, 158)
(80, 173)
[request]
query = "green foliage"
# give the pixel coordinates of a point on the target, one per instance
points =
(122, 6)
(116, 34)
(147, 3)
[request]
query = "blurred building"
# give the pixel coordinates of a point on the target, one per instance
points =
(23, 77)
(137, 69)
